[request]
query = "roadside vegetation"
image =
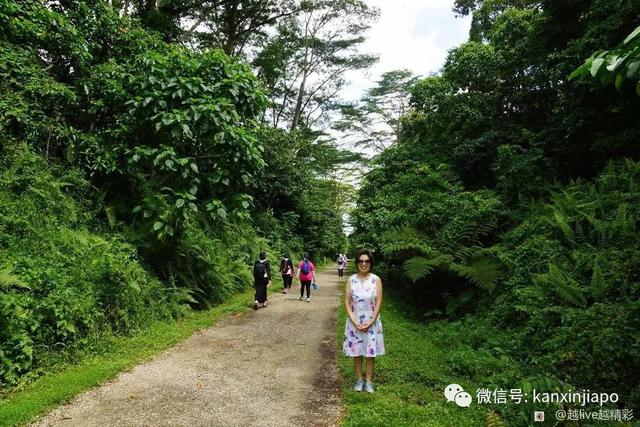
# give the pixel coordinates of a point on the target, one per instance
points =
(506, 213)
(143, 166)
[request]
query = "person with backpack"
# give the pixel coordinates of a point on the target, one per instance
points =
(262, 279)
(342, 264)
(306, 275)
(287, 271)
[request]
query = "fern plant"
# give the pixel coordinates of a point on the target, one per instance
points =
(468, 262)
(556, 282)
(491, 419)
(10, 280)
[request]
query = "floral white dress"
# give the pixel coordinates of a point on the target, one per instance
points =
(363, 304)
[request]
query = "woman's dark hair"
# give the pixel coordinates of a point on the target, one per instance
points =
(366, 252)
(306, 256)
(263, 255)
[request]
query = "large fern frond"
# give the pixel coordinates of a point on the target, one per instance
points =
(491, 419)
(565, 287)
(10, 280)
(464, 252)
(404, 239)
(481, 271)
(561, 222)
(419, 267)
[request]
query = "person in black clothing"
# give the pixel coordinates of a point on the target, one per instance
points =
(287, 271)
(262, 279)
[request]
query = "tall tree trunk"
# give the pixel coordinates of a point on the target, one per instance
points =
(298, 110)
(232, 28)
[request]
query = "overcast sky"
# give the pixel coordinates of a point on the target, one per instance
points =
(412, 34)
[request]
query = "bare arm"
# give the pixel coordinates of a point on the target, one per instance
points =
(378, 299)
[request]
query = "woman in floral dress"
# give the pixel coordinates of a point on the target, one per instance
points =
(363, 331)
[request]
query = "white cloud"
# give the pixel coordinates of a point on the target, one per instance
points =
(411, 34)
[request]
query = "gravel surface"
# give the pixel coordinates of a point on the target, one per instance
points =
(271, 367)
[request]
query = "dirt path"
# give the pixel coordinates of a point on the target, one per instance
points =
(271, 367)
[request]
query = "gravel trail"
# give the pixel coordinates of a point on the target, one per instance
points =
(271, 367)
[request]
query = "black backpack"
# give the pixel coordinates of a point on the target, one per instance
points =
(284, 265)
(259, 269)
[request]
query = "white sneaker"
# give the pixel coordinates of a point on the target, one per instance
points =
(300, 299)
(308, 299)
(359, 385)
(368, 387)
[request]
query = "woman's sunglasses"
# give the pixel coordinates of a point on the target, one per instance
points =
(364, 261)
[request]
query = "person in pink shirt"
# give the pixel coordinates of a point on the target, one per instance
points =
(306, 275)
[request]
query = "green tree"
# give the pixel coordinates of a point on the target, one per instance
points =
(304, 62)
(616, 66)
(236, 25)
(375, 120)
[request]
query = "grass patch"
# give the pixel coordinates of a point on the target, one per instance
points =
(409, 379)
(112, 356)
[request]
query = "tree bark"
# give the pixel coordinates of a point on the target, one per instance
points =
(232, 28)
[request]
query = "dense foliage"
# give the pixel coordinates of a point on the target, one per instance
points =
(62, 280)
(510, 201)
(138, 177)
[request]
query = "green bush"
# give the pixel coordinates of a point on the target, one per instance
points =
(62, 281)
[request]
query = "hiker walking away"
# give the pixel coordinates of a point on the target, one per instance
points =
(262, 279)
(363, 330)
(306, 275)
(287, 271)
(342, 264)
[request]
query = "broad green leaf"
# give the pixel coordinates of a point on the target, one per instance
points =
(613, 62)
(632, 70)
(157, 226)
(179, 203)
(193, 207)
(581, 70)
(635, 33)
(595, 67)
(619, 80)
